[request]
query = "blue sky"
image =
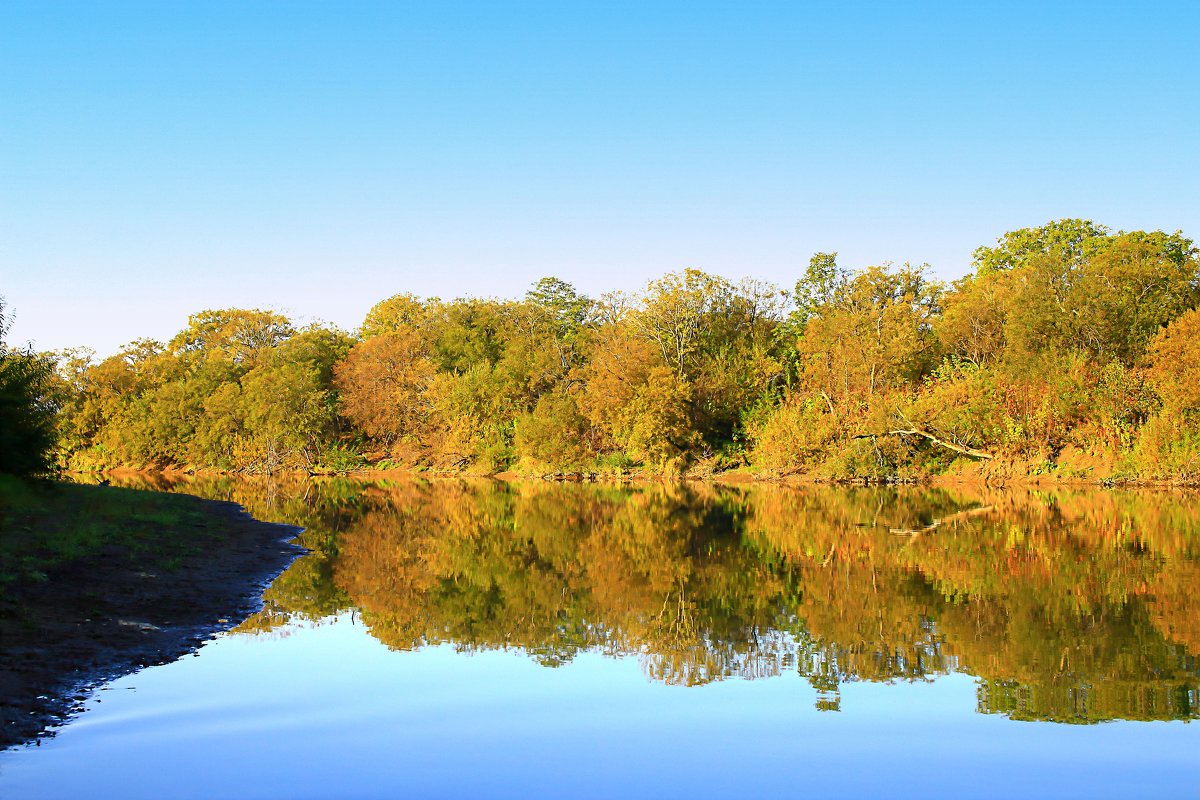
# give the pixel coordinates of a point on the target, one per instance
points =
(161, 158)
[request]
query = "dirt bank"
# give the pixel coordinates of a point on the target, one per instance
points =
(89, 620)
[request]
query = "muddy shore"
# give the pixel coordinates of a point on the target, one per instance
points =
(98, 619)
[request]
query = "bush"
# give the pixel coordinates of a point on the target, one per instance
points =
(796, 436)
(553, 436)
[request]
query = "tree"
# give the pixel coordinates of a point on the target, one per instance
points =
(285, 415)
(673, 313)
(568, 307)
(1129, 291)
(554, 435)
(973, 324)
(1069, 286)
(640, 406)
(234, 333)
(817, 289)
(718, 337)
(1070, 241)
(288, 411)
(1108, 303)
(1173, 362)
(874, 334)
(382, 385)
(400, 311)
(28, 406)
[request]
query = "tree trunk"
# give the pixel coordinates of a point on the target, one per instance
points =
(966, 451)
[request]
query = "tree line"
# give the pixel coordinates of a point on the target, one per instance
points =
(1069, 348)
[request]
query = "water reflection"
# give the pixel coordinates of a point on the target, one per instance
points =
(1069, 606)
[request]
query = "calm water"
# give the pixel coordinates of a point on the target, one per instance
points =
(455, 639)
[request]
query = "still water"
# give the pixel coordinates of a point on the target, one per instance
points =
(456, 639)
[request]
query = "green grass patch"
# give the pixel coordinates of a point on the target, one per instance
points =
(47, 525)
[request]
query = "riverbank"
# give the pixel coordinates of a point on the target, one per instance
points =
(1000, 473)
(97, 582)
(1003, 474)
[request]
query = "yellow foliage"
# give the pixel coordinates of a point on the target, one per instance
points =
(383, 383)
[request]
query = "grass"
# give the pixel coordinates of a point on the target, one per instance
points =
(47, 525)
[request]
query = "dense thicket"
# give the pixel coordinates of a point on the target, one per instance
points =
(1068, 348)
(28, 404)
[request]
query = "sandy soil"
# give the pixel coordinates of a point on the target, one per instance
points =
(95, 621)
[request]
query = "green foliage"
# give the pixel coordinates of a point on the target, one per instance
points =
(339, 460)
(44, 525)
(27, 413)
(819, 287)
(1071, 285)
(1067, 241)
(29, 399)
(553, 435)
(568, 308)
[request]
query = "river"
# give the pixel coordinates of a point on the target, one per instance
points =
(451, 638)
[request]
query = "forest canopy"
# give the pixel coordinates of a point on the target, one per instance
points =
(1069, 348)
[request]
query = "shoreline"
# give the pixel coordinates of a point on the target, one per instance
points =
(734, 477)
(103, 617)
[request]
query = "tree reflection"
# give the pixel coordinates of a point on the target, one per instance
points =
(1073, 607)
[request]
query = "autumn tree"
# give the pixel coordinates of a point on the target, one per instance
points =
(874, 334)
(382, 385)
(717, 337)
(236, 334)
(399, 312)
(1169, 444)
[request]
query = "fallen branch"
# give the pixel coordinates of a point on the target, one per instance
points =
(966, 451)
(913, 533)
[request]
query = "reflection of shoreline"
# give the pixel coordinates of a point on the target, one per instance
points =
(736, 477)
(1071, 606)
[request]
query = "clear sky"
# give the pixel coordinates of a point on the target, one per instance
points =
(160, 158)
